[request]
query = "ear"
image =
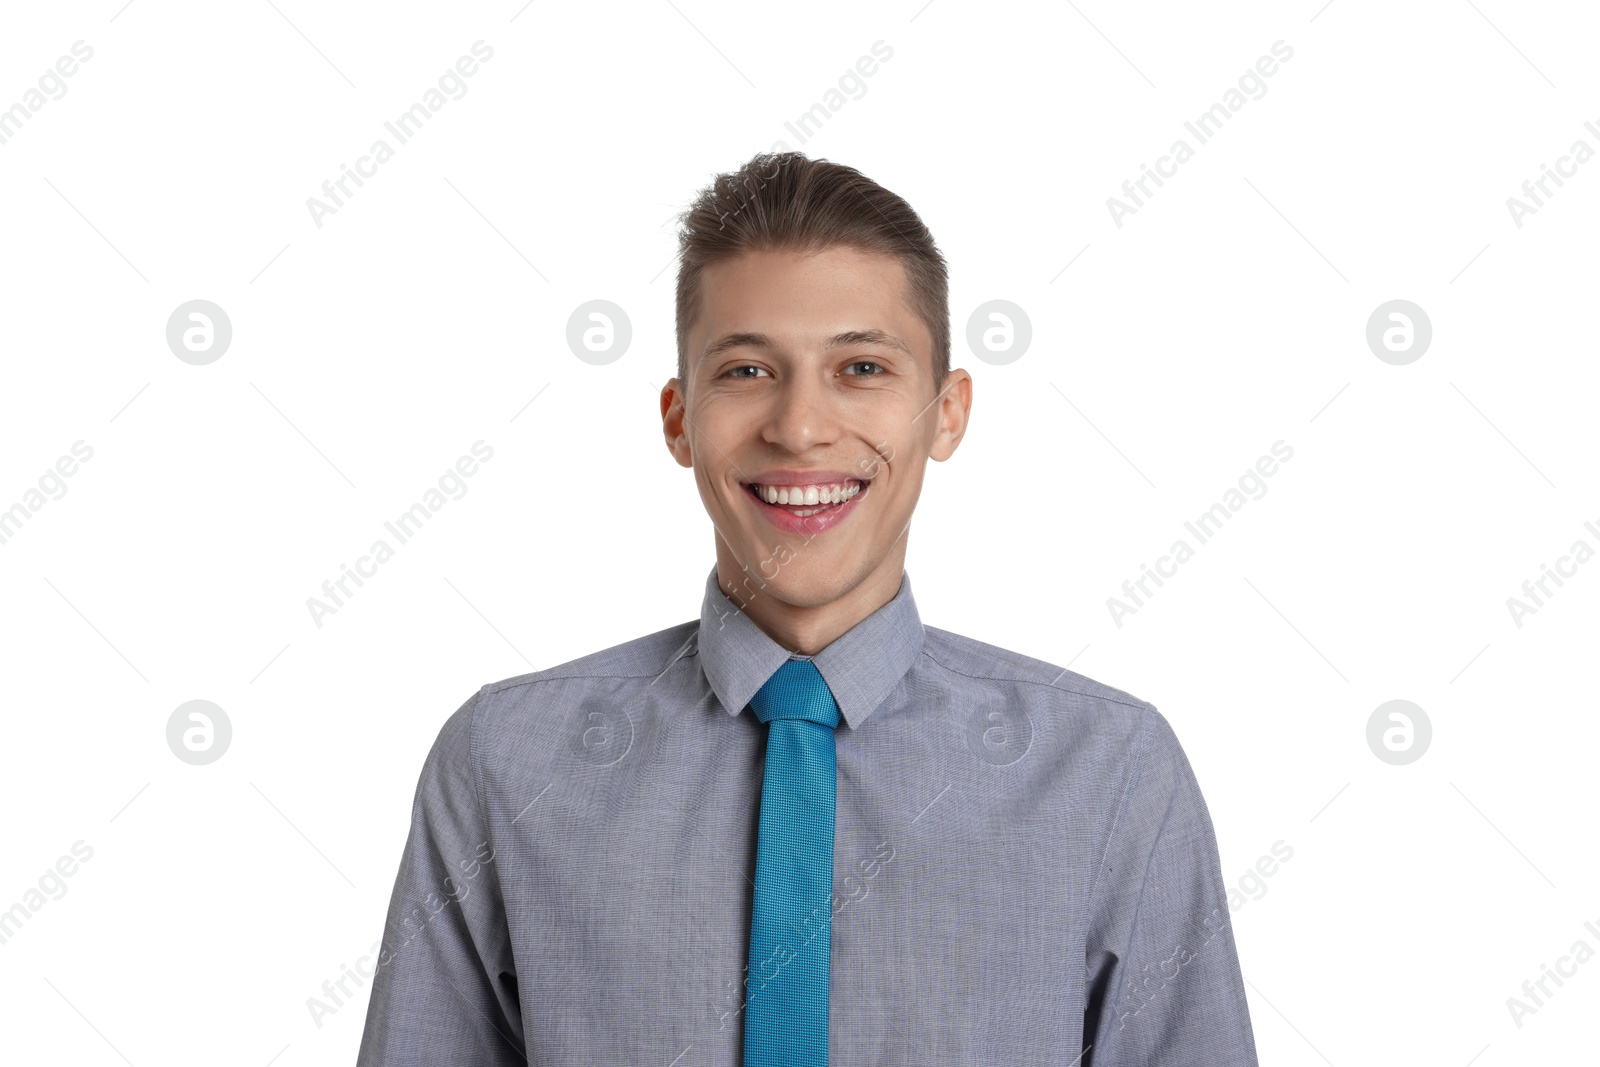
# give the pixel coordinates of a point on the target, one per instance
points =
(672, 422)
(954, 408)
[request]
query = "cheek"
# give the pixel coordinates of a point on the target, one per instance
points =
(713, 493)
(901, 453)
(718, 431)
(906, 473)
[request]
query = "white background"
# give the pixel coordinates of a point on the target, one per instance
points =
(430, 312)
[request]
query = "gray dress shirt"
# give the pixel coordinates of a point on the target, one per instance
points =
(1024, 869)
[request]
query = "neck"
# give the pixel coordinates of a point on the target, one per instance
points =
(807, 627)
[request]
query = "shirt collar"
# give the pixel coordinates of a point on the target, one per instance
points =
(861, 666)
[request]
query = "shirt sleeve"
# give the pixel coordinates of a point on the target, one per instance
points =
(1162, 970)
(445, 988)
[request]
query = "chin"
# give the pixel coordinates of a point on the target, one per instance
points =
(813, 584)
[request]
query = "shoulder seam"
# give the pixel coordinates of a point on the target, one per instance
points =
(1134, 702)
(500, 687)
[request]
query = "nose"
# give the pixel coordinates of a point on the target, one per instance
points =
(805, 414)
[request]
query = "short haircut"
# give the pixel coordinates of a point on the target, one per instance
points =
(786, 202)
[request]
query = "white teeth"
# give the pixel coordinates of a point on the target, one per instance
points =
(807, 495)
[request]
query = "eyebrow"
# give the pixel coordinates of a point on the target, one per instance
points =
(850, 338)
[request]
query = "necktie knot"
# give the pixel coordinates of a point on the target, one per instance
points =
(796, 690)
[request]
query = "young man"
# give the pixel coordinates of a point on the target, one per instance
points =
(806, 828)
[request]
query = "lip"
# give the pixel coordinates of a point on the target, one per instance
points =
(807, 526)
(813, 477)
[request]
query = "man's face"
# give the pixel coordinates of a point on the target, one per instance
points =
(811, 379)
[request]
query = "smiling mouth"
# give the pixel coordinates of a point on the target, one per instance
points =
(802, 501)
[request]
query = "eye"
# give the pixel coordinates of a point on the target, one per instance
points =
(867, 363)
(733, 372)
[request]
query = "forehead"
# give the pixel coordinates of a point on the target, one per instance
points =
(806, 293)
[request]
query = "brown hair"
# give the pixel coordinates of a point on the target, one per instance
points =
(784, 201)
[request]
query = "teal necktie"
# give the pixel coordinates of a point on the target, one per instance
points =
(791, 922)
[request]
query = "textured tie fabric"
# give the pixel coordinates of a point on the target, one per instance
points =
(791, 921)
